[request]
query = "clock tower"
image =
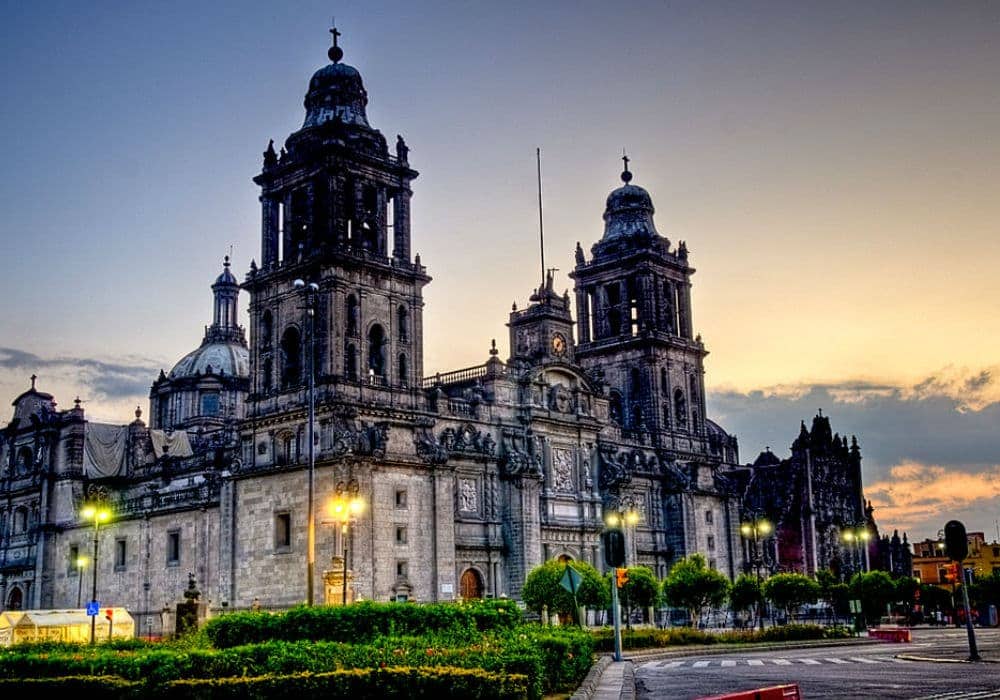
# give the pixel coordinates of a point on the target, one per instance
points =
(543, 332)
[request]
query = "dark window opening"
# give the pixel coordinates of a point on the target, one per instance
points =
(403, 323)
(210, 404)
(376, 351)
(291, 358)
(351, 363)
(120, 553)
(403, 371)
(266, 329)
(173, 548)
(615, 408)
(613, 292)
(680, 408)
(282, 530)
(352, 315)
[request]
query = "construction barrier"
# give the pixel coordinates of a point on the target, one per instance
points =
(890, 634)
(776, 692)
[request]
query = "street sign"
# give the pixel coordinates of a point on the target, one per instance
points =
(93, 608)
(855, 606)
(571, 580)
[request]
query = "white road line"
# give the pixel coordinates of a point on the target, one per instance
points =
(808, 662)
(728, 663)
(671, 664)
(891, 659)
(782, 662)
(754, 662)
(964, 695)
(837, 661)
(862, 660)
(700, 664)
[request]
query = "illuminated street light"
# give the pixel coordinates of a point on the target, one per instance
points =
(345, 508)
(857, 539)
(98, 514)
(753, 530)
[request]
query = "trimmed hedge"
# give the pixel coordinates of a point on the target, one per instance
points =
(362, 622)
(438, 682)
(647, 638)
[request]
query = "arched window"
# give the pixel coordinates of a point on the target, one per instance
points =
(565, 559)
(633, 383)
(19, 523)
(376, 350)
(266, 329)
(680, 408)
(24, 458)
(352, 315)
(351, 362)
(403, 323)
(403, 371)
(694, 421)
(636, 415)
(268, 379)
(15, 599)
(615, 408)
(693, 382)
(471, 585)
(291, 357)
(664, 384)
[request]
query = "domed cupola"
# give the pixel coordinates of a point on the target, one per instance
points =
(336, 92)
(207, 386)
(628, 212)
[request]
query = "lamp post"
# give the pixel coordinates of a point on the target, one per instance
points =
(81, 562)
(310, 306)
(752, 530)
(98, 514)
(345, 507)
(617, 519)
(857, 538)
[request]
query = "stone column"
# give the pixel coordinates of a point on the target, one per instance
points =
(685, 304)
(582, 315)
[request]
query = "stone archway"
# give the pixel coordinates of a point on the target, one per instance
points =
(15, 601)
(471, 585)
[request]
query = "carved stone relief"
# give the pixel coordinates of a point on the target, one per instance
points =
(562, 470)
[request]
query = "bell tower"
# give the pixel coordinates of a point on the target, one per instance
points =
(633, 300)
(335, 211)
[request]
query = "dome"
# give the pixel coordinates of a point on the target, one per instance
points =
(336, 93)
(629, 212)
(231, 359)
(227, 277)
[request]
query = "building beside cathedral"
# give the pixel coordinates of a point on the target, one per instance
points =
(469, 478)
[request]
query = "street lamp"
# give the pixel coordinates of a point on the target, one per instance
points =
(752, 531)
(344, 508)
(98, 514)
(81, 562)
(857, 538)
(617, 519)
(310, 297)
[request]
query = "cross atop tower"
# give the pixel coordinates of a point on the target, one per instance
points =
(33, 378)
(626, 175)
(335, 53)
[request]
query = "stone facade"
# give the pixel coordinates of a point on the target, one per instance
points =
(470, 478)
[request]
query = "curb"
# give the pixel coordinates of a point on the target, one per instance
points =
(628, 682)
(593, 679)
(939, 660)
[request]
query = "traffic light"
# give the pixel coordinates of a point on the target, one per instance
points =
(614, 547)
(621, 576)
(956, 545)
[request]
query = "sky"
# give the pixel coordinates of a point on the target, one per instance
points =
(832, 167)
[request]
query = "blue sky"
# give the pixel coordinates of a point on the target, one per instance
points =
(831, 166)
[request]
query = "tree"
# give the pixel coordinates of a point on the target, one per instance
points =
(789, 591)
(641, 591)
(746, 594)
(693, 586)
(875, 590)
(542, 588)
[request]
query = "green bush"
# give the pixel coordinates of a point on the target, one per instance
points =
(682, 636)
(362, 622)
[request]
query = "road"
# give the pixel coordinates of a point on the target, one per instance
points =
(883, 671)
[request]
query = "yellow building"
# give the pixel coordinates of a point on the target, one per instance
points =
(931, 565)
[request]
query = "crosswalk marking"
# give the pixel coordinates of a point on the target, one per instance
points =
(805, 661)
(963, 695)
(863, 660)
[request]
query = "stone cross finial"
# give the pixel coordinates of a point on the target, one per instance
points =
(33, 378)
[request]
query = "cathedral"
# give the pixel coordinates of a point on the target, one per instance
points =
(255, 444)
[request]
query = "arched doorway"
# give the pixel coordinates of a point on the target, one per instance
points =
(15, 600)
(471, 585)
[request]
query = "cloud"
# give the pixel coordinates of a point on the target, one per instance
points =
(101, 379)
(947, 421)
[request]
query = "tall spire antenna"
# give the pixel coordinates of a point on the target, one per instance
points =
(541, 234)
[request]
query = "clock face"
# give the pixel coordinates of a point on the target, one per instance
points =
(558, 344)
